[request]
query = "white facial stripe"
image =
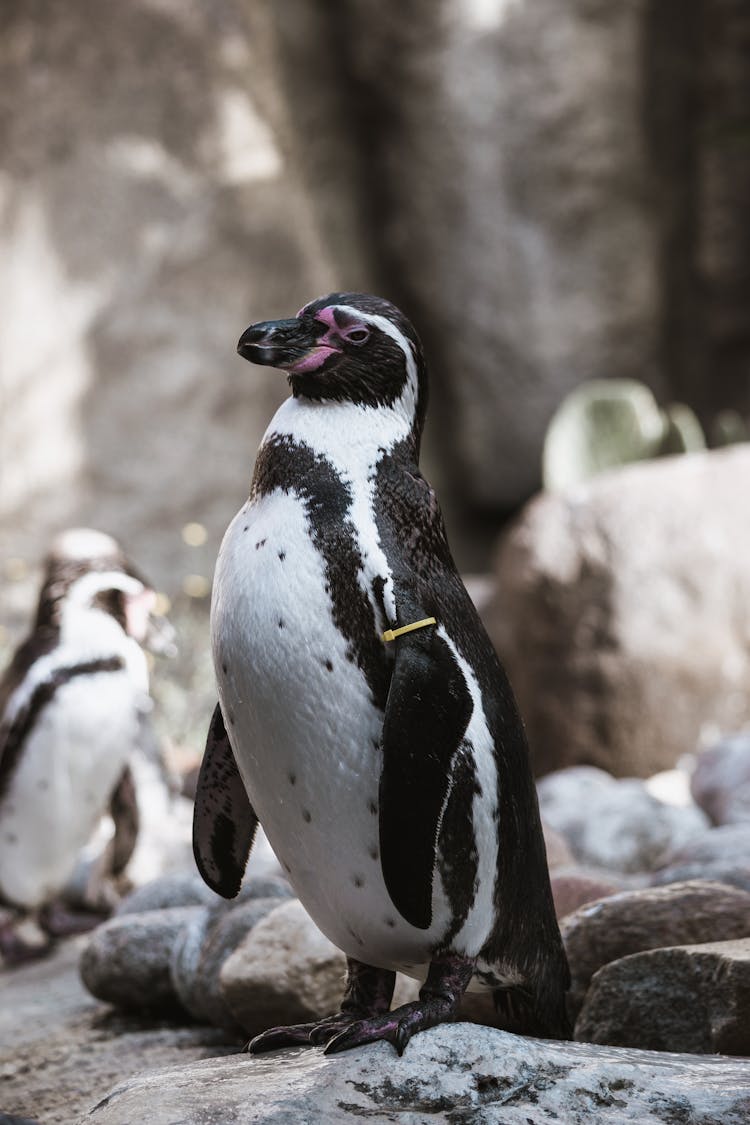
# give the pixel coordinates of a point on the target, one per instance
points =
(85, 589)
(408, 398)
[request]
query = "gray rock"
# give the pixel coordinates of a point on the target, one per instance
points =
(200, 954)
(632, 921)
(557, 848)
(456, 1073)
(625, 592)
(264, 886)
(138, 299)
(573, 887)
(685, 998)
(127, 960)
(179, 889)
(730, 843)
(733, 873)
(614, 824)
(284, 971)
(720, 783)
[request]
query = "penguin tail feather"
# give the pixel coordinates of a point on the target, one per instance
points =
(523, 1013)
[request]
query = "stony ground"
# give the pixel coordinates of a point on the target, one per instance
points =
(61, 1051)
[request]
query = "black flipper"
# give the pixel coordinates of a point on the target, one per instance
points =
(428, 710)
(123, 808)
(224, 823)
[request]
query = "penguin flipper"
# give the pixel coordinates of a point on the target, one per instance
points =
(428, 710)
(224, 823)
(123, 808)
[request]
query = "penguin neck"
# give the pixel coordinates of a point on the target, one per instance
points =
(91, 630)
(352, 436)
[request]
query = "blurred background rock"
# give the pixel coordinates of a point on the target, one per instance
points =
(553, 191)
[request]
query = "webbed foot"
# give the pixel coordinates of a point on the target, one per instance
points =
(368, 995)
(439, 1000)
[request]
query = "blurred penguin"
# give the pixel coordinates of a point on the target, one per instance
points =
(74, 707)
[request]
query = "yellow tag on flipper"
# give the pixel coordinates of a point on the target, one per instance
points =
(391, 634)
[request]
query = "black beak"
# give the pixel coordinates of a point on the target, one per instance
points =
(277, 343)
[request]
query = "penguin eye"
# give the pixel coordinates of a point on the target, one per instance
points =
(358, 335)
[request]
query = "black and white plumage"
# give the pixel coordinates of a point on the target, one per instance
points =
(392, 780)
(72, 707)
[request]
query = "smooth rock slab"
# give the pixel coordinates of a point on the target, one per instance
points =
(457, 1074)
(684, 998)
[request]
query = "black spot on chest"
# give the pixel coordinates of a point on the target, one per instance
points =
(294, 467)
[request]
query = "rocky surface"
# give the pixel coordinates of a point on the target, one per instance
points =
(615, 824)
(200, 990)
(684, 998)
(164, 949)
(729, 843)
(632, 921)
(284, 971)
(127, 960)
(573, 887)
(620, 595)
(456, 1073)
(720, 782)
(61, 1051)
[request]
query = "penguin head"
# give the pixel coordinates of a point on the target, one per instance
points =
(346, 347)
(87, 570)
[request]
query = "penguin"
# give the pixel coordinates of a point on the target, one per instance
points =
(364, 719)
(73, 708)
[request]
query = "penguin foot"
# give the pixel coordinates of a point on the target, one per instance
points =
(301, 1034)
(368, 995)
(58, 920)
(439, 1000)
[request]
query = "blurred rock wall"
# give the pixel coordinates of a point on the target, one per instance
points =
(553, 190)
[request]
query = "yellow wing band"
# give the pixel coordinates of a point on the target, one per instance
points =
(391, 634)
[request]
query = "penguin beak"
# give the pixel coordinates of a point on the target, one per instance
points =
(291, 345)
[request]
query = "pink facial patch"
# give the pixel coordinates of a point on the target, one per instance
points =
(314, 359)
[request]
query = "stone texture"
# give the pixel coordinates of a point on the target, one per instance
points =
(127, 960)
(618, 596)
(615, 824)
(685, 998)
(197, 979)
(456, 1073)
(726, 844)
(134, 253)
(557, 848)
(633, 921)
(735, 873)
(178, 889)
(575, 886)
(284, 971)
(61, 1051)
(720, 782)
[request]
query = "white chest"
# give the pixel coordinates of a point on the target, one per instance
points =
(305, 730)
(71, 761)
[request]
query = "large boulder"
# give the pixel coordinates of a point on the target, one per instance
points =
(616, 824)
(284, 971)
(685, 998)
(720, 782)
(621, 613)
(454, 1073)
(632, 921)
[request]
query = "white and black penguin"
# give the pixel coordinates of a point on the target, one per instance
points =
(389, 770)
(72, 708)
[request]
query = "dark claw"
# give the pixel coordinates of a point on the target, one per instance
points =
(295, 1035)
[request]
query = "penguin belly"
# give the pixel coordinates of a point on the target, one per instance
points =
(68, 768)
(305, 733)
